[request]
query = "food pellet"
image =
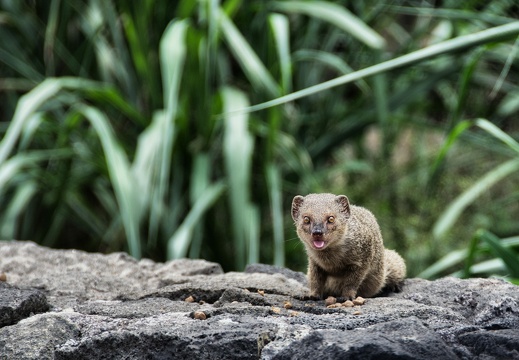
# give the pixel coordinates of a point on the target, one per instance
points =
(200, 315)
(330, 300)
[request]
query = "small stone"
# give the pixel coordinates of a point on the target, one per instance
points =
(359, 301)
(334, 306)
(200, 315)
(201, 302)
(330, 300)
(190, 299)
(3, 277)
(358, 312)
(275, 310)
(287, 305)
(261, 292)
(348, 303)
(293, 313)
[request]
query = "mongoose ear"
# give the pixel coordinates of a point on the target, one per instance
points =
(344, 204)
(296, 205)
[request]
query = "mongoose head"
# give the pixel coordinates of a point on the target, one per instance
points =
(319, 218)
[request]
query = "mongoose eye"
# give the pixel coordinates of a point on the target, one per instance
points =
(331, 219)
(306, 220)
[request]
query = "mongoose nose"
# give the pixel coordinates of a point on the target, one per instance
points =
(317, 232)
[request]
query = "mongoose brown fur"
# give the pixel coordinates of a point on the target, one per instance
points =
(346, 254)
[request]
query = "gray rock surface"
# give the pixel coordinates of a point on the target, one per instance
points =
(68, 304)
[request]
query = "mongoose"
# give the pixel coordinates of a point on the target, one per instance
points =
(346, 255)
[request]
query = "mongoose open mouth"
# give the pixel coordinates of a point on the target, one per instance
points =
(319, 244)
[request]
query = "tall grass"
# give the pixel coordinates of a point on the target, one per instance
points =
(173, 129)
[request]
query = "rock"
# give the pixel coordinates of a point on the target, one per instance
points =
(36, 337)
(17, 304)
(68, 304)
(409, 339)
(271, 269)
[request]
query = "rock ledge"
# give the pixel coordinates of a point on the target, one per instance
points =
(68, 304)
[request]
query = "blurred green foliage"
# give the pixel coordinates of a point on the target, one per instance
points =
(184, 128)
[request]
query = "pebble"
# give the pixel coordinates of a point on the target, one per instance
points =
(200, 315)
(348, 303)
(3, 277)
(334, 306)
(359, 301)
(190, 299)
(330, 300)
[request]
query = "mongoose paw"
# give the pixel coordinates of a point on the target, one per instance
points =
(314, 295)
(349, 295)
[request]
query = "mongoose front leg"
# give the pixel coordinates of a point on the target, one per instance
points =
(350, 282)
(316, 280)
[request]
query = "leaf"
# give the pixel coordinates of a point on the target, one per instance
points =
(498, 134)
(451, 259)
(454, 210)
(27, 106)
(509, 257)
(276, 206)
(178, 244)
(250, 63)
(122, 179)
(336, 15)
(238, 145)
(494, 34)
(449, 142)
(280, 29)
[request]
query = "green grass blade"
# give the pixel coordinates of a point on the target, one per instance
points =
(161, 135)
(15, 165)
(178, 244)
(494, 34)
(449, 142)
(280, 29)
(249, 61)
(27, 106)
(336, 15)
(237, 150)
(471, 255)
(498, 134)
(254, 225)
(199, 181)
(10, 218)
(172, 57)
(509, 257)
(448, 261)
(454, 210)
(121, 178)
(332, 61)
(146, 171)
(276, 206)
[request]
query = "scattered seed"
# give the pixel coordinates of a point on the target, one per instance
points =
(3, 277)
(348, 303)
(200, 315)
(359, 301)
(287, 305)
(330, 300)
(190, 299)
(261, 292)
(293, 313)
